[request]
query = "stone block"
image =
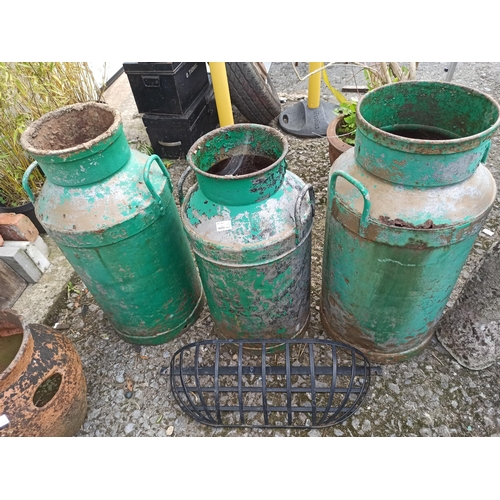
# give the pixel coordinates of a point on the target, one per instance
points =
(21, 263)
(39, 257)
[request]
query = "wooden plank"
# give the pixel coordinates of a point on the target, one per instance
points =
(11, 286)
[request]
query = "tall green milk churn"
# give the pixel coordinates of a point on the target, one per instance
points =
(112, 213)
(249, 222)
(405, 206)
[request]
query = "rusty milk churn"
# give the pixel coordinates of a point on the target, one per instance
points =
(405, 206)
(43, 392)
(249, 223)
(111, 211)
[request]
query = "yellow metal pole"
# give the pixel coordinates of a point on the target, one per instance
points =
(314, 85)
(221, 92)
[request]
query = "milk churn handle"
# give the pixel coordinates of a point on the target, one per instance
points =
(485, 153)
(163, 168)
(26, 185)
(363, 222)
(180, 185)
(298, 223)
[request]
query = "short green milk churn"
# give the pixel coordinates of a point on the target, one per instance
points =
(111, 211)
(249, 222)
(405, 206)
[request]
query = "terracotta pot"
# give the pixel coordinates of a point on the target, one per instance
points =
(42, 386)
(335, 146)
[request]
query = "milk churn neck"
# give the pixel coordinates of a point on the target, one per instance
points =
(239, 141)
(424, 133)
(65, 143)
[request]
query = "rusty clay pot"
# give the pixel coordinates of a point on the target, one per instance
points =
(42, 387)
(335, 146)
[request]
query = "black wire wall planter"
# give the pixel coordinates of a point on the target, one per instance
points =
(308, 384)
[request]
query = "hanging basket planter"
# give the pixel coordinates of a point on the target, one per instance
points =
(312, 384)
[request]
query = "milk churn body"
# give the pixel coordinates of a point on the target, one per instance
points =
(251, 235)
(111, 211)
(403, 214)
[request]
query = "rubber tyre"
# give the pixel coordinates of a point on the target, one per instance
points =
(256, 99)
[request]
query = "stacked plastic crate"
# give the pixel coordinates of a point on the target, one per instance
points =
(177, 102)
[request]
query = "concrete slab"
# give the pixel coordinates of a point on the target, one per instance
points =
(39, 299)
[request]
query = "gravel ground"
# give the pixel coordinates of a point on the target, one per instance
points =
(430, 395)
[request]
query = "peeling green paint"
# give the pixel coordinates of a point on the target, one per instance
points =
(403, 215)
(255, 274)
(123, 235)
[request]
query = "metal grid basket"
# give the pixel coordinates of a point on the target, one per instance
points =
(309, 384)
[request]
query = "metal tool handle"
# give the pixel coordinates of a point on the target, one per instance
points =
(180, 191)
(363, 221)
(170, 144)
(163, 168)
(298, 204)
(26, 185)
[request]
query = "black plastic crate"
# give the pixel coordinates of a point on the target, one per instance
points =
(171, 136)
(166, 87)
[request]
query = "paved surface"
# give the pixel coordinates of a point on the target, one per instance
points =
(430, 395)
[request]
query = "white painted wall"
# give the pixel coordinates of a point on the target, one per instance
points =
(103, 71)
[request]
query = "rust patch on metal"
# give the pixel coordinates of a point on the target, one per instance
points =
(428, 224)
(341, 326)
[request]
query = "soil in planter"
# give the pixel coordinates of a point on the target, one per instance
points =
(240, 165)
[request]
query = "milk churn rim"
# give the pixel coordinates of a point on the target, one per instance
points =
(221, 130)
(405, 141)
(35, 126)
(26, 333)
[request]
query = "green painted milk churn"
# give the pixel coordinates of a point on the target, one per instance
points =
(249, 222)
(405, 206)
(111, 211)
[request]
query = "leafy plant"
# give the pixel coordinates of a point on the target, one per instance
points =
(71, 288)
(376, 75)
(28, 90)
(346, 130)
